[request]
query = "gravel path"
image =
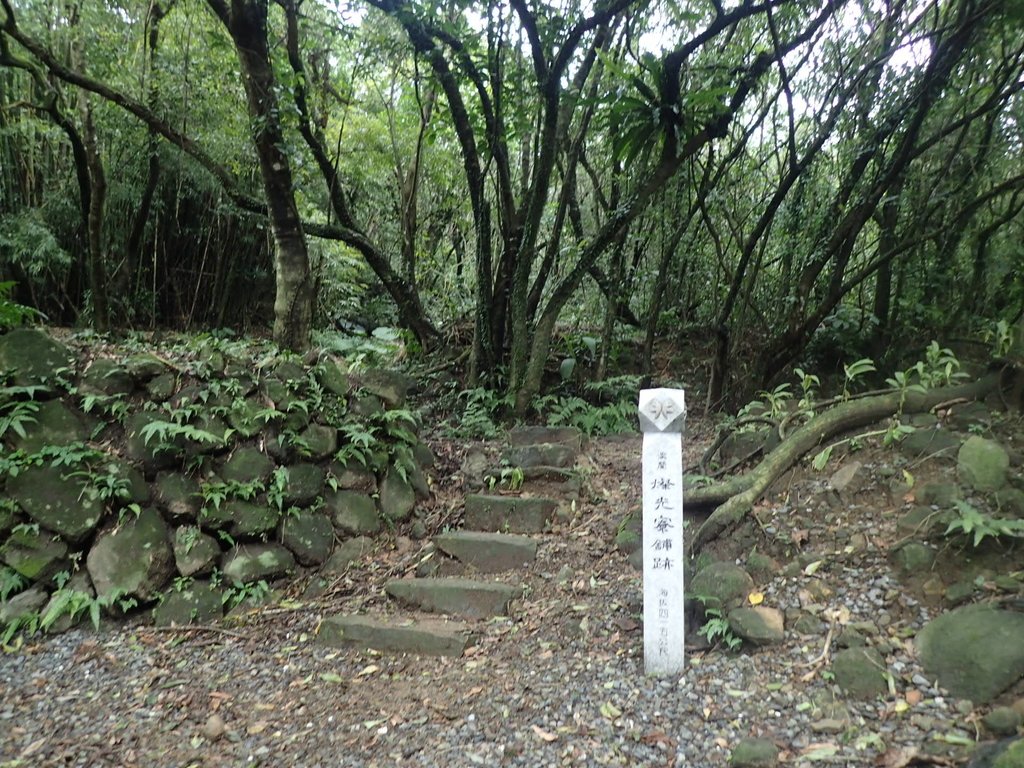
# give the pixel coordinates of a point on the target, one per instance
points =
(560, 682)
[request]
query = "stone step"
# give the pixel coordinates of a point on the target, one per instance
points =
(488, 552)
(540, 455)
(427, 637)
(508, 514)
(567, 436)
(460, 597)
(539, 481)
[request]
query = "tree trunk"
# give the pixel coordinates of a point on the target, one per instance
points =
(738, 495)
(293, 303)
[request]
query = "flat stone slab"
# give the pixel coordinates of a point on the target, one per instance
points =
(430, 637)
(541, 455)
(568, 436)
(459, 597)
(508, 514)
(488, 552)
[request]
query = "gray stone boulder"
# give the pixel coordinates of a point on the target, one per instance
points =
(305, 484)
(134, 559)
(390, 386)
(329, 375)
(34, 554)
(250, 519)
(244, 417)
(146, 447)
(759, 625)
(23, 605)
(397, 497)
(196, 603)
(914, 557)
(32, 356)
(722, 586)
(488, 552)
(160, 388)
(354, 478)
(974, 652)
(353, 513)
(860, 672)
(145, 366)
(55, 424)
(508, 514)
(941, 495)
(309, 536)
(247, 465)
(132, 485)
(929, 442)
(195, 552)
(754, 753)
(320, 441)
(256, 562)
(983, 464)
(106, 377)
(348, 552)
(57, 500)
(1010, 502)
(178, 495)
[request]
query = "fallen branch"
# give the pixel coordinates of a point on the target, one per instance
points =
(736, 496)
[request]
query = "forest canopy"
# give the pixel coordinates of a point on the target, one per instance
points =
(801, 180)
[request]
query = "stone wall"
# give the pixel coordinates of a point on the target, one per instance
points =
(178, 480)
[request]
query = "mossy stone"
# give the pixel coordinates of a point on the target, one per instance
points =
(145, 366)
(1010, 502)
(247, 465)
(397, 497)
(330, 376)
(199, 603)
(106, 377)
(754, 753)
(133, 559)
(161, 387)
(309, 536)
(195, 552)
(250, 520)
(36, 555)
(244, 417)
(255, 562)
(1002, 721)
(721, 585)
(320, 440)
(32, 357)
(57, 500)
(914, 557)
(305, 484)
(353, 513)
(983, 464)
(178, 495)
(151, 453)
(860, 672)
(55, 424)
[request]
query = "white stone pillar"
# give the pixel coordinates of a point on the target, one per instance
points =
(662, 415)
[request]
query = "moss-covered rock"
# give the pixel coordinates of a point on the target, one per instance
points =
(55, 424)
(195, 553)
(255, 562)
(353, 513)
(305, 484)
(320, 441)
(983, 464)
(330, 376)
(178, 495)
(133, 559)
(147, 447)
(197, 603)
(397, 497)
(106, 377)
(721, 586)
(246, 465)
(57, 500)
(32, 357)
(34, 554)
(309, 536)
(860, 672)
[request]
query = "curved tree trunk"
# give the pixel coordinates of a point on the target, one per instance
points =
(737, 495)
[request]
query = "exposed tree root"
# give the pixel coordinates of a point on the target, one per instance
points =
(736, 496)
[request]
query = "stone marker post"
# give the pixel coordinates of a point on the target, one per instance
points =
(662, 414)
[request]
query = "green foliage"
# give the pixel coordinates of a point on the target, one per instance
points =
(482, 413)
(15, 413)
(716, 629)
(11, 582)
(853, 371)
(571, 411)
(978, 526)
(251, 592)
(13, 314)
